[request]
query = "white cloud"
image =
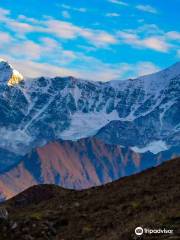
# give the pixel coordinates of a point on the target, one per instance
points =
(178, 53)
(27, 19)
(45, 48)
(3, 14)
(156, 43)
(4, 38)
(144, 68)
(88, 68)
(150, 29)
(147, 36)
(19, 27)
(67, 30)
(173, 35)
(83, 10)
(112, 15)
(61, 29)
(141, 20)
(27, 49)
(66, 14)
(147, 8)
(118, 2)
(98, 38)
(34, 69)
(47, 56)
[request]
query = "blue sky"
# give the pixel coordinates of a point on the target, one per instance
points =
(97, 39)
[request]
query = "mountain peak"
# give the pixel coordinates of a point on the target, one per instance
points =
(8, 74)
(175, 67)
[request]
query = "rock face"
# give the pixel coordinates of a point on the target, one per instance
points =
(128, 125)
(134, 113)
(77, 165)
(8, 75)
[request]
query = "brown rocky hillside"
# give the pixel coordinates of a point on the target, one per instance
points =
(111, 212)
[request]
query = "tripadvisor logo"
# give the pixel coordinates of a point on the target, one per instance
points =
(139, 231)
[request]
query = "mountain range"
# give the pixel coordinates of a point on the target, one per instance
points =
(80, 133)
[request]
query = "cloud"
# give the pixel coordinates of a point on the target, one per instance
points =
(33, 69)
(3, 14)
(88, 68)
(173, 35)
(178, 53)
(147, 8)
(27, 19)
(112, 15)
(148, 36)
(4, 38)
(15, 24)
(66, 14)
(145, 68)
(99, 38)
(19, 27)
(46, 50)
(68, 30)
(118, 2)
(157, 43)
(30, 49)
(150, 29)
(61, 29)
(48, 56)
(82, 10)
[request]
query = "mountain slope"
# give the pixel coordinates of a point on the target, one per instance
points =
(109, 212)
(8, 75)
(78, 165)
(35, 112)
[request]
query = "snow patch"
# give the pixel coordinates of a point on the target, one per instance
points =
(16, 141)
(86, 124)
(154, 147)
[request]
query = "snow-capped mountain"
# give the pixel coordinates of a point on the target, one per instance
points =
(142, 113)
(8, 75)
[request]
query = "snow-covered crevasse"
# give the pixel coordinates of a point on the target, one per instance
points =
(133, 113)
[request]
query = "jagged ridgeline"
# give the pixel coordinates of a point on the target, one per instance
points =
(143, 113)
(116, 128)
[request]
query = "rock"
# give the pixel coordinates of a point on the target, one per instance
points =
(25, 230)
(53, 230)
(76, 204)
(60, 206)
(33, 225)
(14, 226)
(3, 213)
(4, 228)
(28, 237)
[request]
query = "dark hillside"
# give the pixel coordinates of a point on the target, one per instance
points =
(111, 212)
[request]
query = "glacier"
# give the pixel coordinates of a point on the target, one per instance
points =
(139, 113)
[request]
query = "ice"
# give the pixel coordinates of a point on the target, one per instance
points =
(154, 147)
